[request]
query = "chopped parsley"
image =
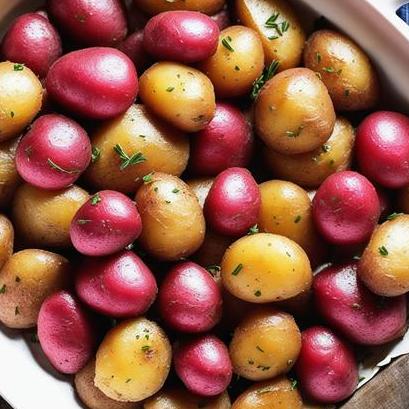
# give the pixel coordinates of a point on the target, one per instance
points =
(147, 179)
(253, 230)
(95, 199)
(383, 251)
(237, 270)
(226, 43)
(96, 154)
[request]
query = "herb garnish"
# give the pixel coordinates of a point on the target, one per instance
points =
(383, 251)
(237, 270)
(226, 43)
(127, 160)
(267, 74)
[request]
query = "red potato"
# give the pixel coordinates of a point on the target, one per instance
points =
(133, 47)
(96, 83)
(182, 36)
(90, 23)
(233, 202)
(222, 19)
(105, 224)
(382, 148)
(326, 367)
(189, 299)
(119, 286)
(53, 153)
(348, 306)
(385, 202)
(204, 365)
(33, 41)
(346, 208)
(66, 333)
(227, 141)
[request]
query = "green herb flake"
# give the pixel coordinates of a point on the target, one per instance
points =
(53, 165)
(329, 70)
(12, 114)
(83, 221)
(226, 43)
(3, 289)
(394, 216)
(175, 190)
(95, 199)
(325, 148)
(267, 74)
(259, 348)
(18, 67)
(128, 380)
(318, 57)
(147, 179)
(361, 378)
(127, 160)
(294, 384)
(96, 154)
(257, 293)
(146, 348)
(168, 201)
(294, 134)
(297, 219)
(253, 230)
(156, 189)
(237, 270)
(237, 68)
(251, 362)
(271, 21)
(383, 251)
(170, 89)
(263, 367)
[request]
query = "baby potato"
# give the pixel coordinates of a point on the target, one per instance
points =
(42, 218)
(133, 361)
(158, 6)
(200, 187)
(173, 222)
(294, 112)
(280, 31)
(26, 280)
(237, 63)
(6, 239)
(163, 148)
(344, 68)
(181, 95)
(21, 96)
(265, 267)
(310, 169)
(265, 344)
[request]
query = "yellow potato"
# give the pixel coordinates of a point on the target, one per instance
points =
(158, 6)
(265, 267)
(294, 112)
(200, 187)
(179, 94)
(280, 31)
(9, 178)
(6, 239)
(133, 361)
(164, 149)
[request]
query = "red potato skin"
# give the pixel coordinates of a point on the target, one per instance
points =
(183, 36)
(189, 299)
(88, 22)
(222, 19)
(33, 41)
(226, 142)
(233, 202)
(326, 367)
(346, 208)
(53, 140)
(204, 365)
(95, 83)
(120, 285)
(133, 47)
(382, 148)
(66, 333)
(105, 224)
(349, 307)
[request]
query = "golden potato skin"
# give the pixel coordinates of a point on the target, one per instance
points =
(294, 112)
(21, 97)
(237, 63)
(173, 222)
(265, 267)
(158, 6)
(200, 187)
(133, 361)
(310, 169)
(344, 68)
(27, 278)
(384, 265)
(286, 48)
(265, 344)
(6, 239)
(9, 178)
(42, 218)
(165, 149)
(181, 95)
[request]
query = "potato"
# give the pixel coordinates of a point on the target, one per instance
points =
(21, 96)
(278, 393)
(42, 218)
(294, 112)
(181, 95)
(157, 6)
(133, 361)
(200, 187)
(6, 239)
(9, 178)
(265, 344)
(133, 47)
(344, 68)
(310, 169)
(278, 27)
(172, 219)
(265, 267)
(26, 279)
(163, 148)
(237, 63)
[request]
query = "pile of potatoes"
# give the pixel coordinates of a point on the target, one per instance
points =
(204, 206)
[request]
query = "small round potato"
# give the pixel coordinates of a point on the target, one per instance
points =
(310, 169)
(265, 267)
(294, 112)
(164, 149)
(43, 218)
(6, 239)
(200, 187)
(265, 344)
(133, 361)
(344, 68)
(158, 6)
(181, 95)
(26, 280)
(173, 222)
(237, 63)
(21, 96)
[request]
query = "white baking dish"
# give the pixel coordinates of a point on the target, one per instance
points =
(25, 380)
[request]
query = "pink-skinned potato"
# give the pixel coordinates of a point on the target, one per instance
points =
(133, 47)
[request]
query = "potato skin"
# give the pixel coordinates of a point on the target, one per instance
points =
(9, 178)
(157, 6)
(28, 278)
(344, 68)
(200, 187)
(294, 112)
(6, 239)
